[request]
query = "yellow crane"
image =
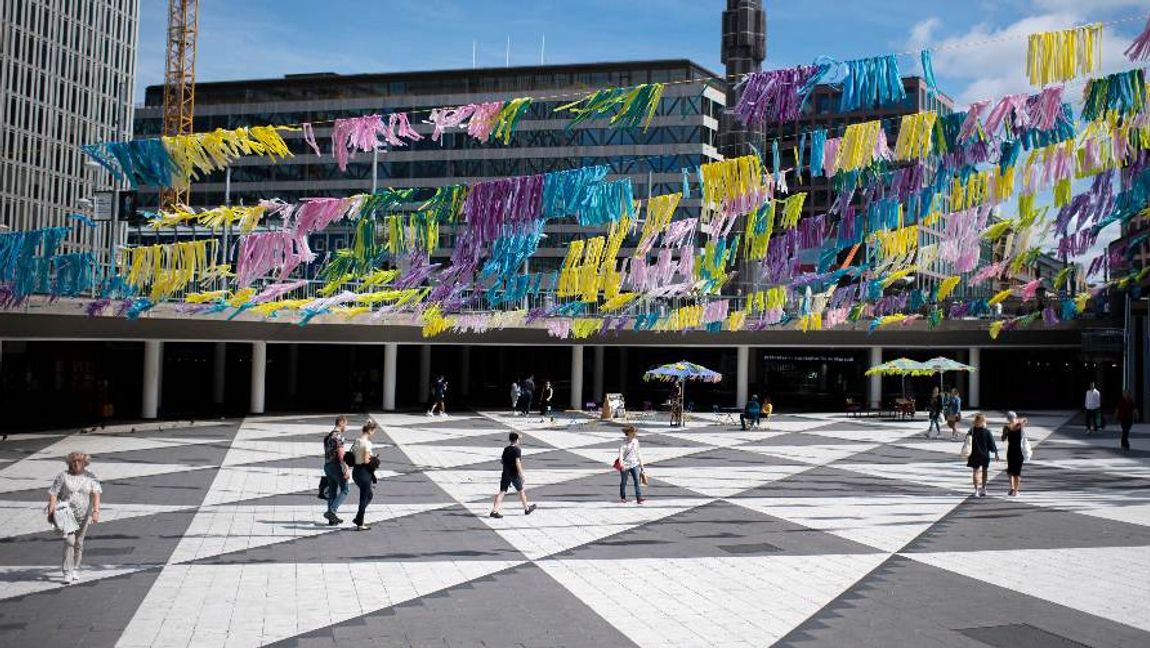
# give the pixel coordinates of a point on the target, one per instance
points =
(180, 81)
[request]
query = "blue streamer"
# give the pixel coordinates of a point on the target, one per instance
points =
(139, 306)
(775, 163)
(928, 70)
(686, 184)
(606, 202)
(818, 144)
(871, 81)
(82, 219)
(565, 191)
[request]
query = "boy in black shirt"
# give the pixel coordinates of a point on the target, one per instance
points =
(512, 476)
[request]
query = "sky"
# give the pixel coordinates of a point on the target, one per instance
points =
(979, 46)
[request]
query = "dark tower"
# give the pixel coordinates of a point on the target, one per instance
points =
(744, 49)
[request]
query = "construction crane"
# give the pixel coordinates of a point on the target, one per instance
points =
(180, 81)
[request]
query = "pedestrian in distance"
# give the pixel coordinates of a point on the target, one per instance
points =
(677, 404)
(512, 475)
(515, 391)
(438, 397)
(767, 410)
(934, 409)
(336, 470)
(545, 398)
(752, 412)
(1014, 434)
(1093, 409)
(73, 505)
(981, 445)
(630, 463)
(526, 395)
(952, 409)
(1125, 413)
(363, 472)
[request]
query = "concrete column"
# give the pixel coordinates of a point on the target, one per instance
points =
(293, 369)
(424, 372)
(219, 371)
(390, 351)
(465, 371)
(153, 355)
(874, 395)
(577, 376)
(259, 375)
(597, 375)
(742, 379)
(974, 398)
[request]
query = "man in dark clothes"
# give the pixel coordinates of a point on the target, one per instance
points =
(512, 476)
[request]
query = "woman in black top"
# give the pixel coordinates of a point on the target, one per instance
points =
(545, 401)
(935, 409)
(981, 447)
(1012, 434)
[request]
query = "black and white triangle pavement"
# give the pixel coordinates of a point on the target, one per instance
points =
(816, 530)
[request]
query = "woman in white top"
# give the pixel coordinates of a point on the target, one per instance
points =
(630, 464)
(73, 502)
(363, 474)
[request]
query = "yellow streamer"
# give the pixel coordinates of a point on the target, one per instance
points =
(730, 180)
(857, 146)
(198, 153)
(168, 267)
(999, 297)
(1062, 55)
(914, 136)
(792, 210)
(947, 286)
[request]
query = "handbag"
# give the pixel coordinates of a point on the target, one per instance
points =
(1027, 451)
(324, 484)
(618, 465)
(968, 445)
(64, 519)
(643, 477)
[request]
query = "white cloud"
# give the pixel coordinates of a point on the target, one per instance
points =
(922, 31)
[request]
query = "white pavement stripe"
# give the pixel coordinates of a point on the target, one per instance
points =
(885, 522)
(557, 526)
(1110, 582)
(724, 481)
(218, 530)
(257, 604)
(470, 485)
(752, 601)
(650, 454)
(39, 473)
(1108, 505)
(946, 475)
(819, 454)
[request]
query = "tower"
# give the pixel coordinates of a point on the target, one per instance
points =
(744, 50)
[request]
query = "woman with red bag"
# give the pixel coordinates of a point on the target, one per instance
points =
(629, 463)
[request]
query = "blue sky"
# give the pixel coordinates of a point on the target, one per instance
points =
(269, 38)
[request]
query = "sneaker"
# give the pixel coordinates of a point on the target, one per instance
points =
(529, 510)
(641, 500)
(496, 514)
(429, 413)
(982, 492)
(362, 527)
(75, 575)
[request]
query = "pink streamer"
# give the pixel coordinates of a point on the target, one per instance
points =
(1030, 289)
(687, 262)
(276, 290)
(830, 152)
(398, 128)
(560, 328)
(679, 231)
(262, 252)
(960, 238)
(1139, 49)
(444, 118)
(309, 138)
(354, 134)
(715, 311)
(483, 119)
(1011, 105)
(835, 316)
(971, 121)
(987, 272)
(1046, 107)
(314, 214)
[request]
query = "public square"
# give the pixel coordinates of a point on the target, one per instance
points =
(814, 530)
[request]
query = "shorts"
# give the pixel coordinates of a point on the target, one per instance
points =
(506, 481)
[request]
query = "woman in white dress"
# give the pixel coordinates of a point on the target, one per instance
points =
(73, 504)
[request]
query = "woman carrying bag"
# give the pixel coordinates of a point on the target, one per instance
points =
(1017, 450)
(74, 503)
(630, 463)
(364, 463)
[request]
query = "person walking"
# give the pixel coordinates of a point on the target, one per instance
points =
(438, 397)
(363, 474)
(630, 463)
(527, 395)
(515, 392)
(337, 472)
(1093, 409)
(751, 413)
(981, 447)
(952, 409)
(677, 404)
(934, 409)
(1013, 434)
(545, 397)
(512, 475)
(1124, 413)
(74, 504)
